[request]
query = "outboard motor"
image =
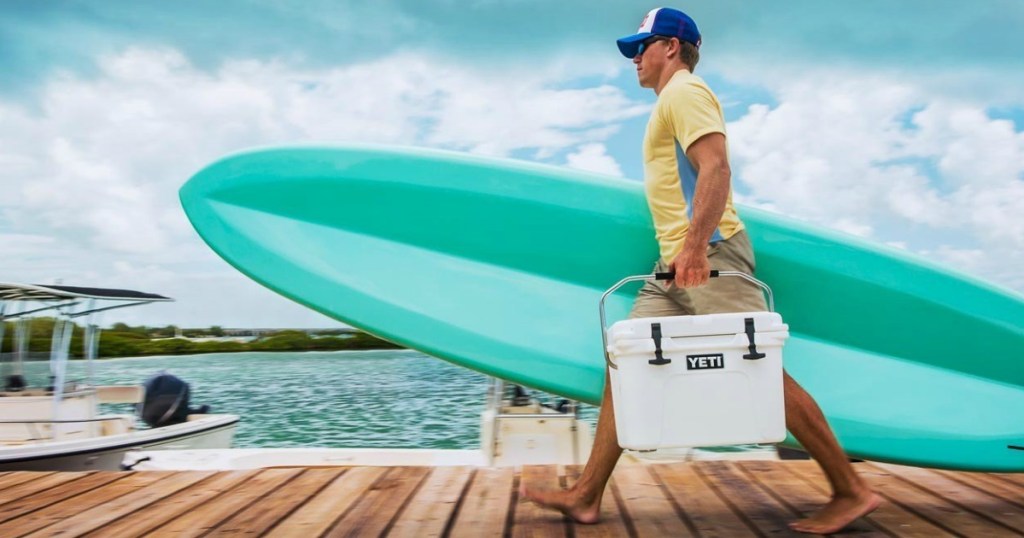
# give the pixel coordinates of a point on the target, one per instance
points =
(15, 383)
(166, 401)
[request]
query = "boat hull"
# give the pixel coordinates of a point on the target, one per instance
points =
(107, 453)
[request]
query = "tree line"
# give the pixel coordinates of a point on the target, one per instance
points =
(121, 340)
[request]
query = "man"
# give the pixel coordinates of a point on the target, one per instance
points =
(686, 177)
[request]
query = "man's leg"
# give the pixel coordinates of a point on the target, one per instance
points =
(851, 497)
(583, 501)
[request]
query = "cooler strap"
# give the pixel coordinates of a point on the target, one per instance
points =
(748, 325)
(659, 358)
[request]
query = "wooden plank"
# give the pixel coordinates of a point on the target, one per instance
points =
(762, 511)
(17, 492)
(890, 517)
(987, 484)
(486, 505)
(200, 520)
(155, 514)
(88, 520)
(987, 506)
(709, 514)
(530, 520)
(381, 503)
(784, 487)
(796, 494)
(928, 505)
(612, 524)
(645, 503)
(434, 504)
(1013, 478)
(81, 502)
(263, 514)
(318, 514)
(75, 485)
(13, 478)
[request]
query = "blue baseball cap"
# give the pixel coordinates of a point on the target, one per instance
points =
(663, 21)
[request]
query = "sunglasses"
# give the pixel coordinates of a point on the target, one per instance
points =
(648, 42)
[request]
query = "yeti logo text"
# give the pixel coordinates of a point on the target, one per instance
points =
(705, 362)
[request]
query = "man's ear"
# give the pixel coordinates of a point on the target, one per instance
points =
(675, 47)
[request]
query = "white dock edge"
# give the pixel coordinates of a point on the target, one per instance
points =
(255, 458)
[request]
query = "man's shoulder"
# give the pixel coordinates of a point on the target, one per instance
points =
(686, 90)
(686, 83)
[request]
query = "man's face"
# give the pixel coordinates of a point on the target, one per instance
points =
(650, 60)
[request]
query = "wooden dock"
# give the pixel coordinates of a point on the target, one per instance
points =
(708, 499)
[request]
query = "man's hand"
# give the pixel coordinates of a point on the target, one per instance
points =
(692, 268)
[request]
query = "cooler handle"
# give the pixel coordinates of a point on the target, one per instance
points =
(715, 273)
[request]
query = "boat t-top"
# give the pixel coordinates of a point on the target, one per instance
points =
(51, 421)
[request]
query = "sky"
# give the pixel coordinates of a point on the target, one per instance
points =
(899, 122)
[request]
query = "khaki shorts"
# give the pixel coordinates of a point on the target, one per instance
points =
(719, 295)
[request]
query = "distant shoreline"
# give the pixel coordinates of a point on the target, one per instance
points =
(284, 341)
(122, 341)
(147, 357)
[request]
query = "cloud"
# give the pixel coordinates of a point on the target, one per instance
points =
(495, 119)
(19, 244)
(886, 159)
(963, 259)
(96, 163)
(594, 158)
(817, 152)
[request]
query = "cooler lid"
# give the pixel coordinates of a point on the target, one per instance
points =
(702, 325)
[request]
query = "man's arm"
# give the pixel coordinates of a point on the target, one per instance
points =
(708, 156)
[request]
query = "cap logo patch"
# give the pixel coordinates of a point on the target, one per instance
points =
(648, 23)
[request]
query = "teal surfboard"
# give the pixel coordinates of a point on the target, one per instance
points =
(498, 266)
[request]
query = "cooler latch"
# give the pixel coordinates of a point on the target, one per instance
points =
(659, 359)
(749, 327)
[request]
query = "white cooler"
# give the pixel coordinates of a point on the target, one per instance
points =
(692, 381)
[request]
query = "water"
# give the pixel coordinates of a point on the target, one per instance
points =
(345, 399)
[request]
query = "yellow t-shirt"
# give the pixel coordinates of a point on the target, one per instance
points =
(685, 111)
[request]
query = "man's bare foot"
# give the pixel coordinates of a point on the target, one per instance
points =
(567, 502)
(838, 513)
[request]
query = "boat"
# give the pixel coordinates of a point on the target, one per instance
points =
(56, 424)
